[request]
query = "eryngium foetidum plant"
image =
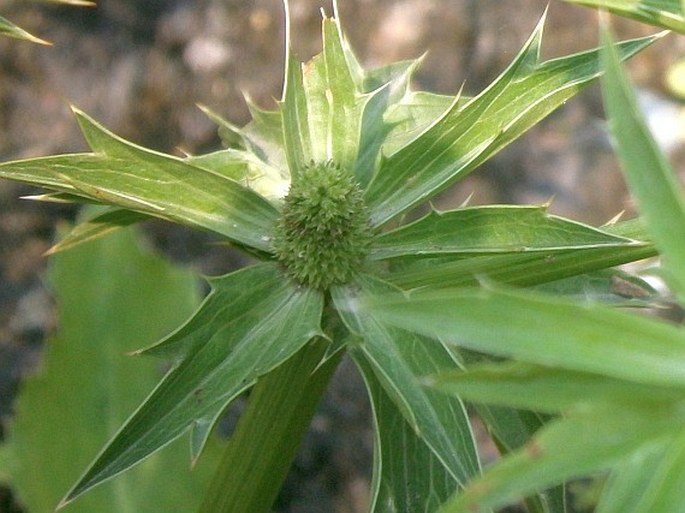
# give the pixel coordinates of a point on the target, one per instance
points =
(318, 190)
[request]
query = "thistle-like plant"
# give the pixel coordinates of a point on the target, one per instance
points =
(318, 191)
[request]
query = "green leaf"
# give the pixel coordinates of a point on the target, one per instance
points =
(296, 131)
(650, 481)
(247, 169)
(544, 389)
(626, 484)
(252, 322)
(263, 136)
(468, 134)
(491, 229)
(230, 163)
(125, 175)
(394, 115)
(525, 269)
(669, 14)
(111, 295)
(255, 155)
(413, 114)
(594, 439)
(7, 28)
(376, 129)
(378, 78)
(509, 428)
(398, 359)
(231, 136)
(664, 492)
(608, 286)
(99, 225)
(647, 172)
(526, 326)
(623, 406)
(407, 476)
(322, 105)
(334, 101)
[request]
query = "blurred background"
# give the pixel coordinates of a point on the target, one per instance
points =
(140, 67)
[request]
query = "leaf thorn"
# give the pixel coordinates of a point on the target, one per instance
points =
(615, 219)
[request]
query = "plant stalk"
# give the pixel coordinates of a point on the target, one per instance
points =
(260, 452)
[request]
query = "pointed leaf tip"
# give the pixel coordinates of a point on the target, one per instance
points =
(8, 28)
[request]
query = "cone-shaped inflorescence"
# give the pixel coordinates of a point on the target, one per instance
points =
(323, 233)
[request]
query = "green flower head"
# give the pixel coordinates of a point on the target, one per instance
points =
(323, 233)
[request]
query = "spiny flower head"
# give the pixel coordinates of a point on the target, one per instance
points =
(323, 234)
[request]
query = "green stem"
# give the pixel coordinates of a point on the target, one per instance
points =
(269, 432)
